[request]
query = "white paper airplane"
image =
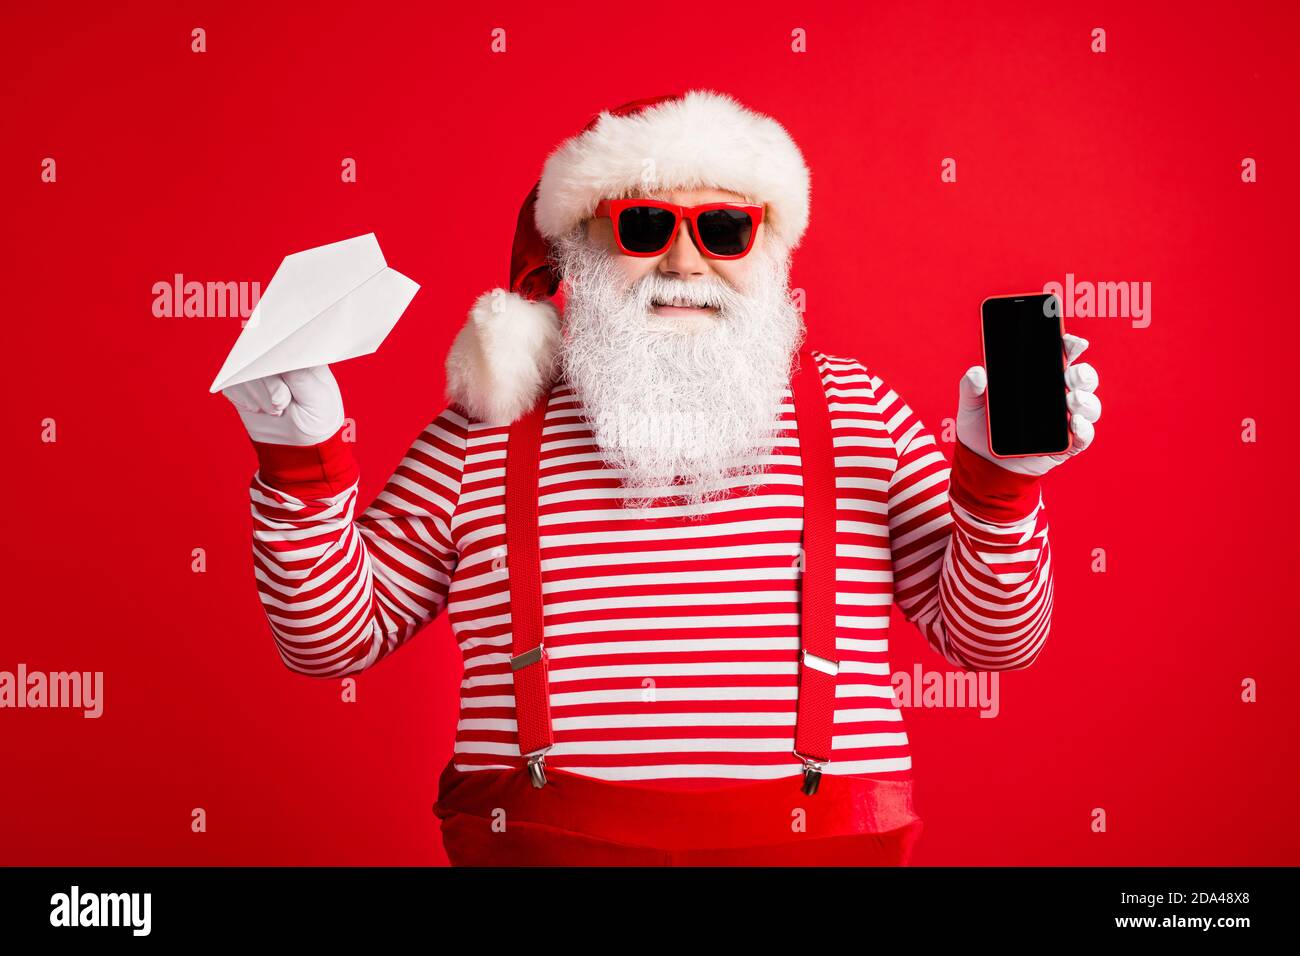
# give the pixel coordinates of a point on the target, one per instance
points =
(323, 305)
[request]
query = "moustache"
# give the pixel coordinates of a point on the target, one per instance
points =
(701, 293)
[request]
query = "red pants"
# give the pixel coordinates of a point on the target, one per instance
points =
(497, 818)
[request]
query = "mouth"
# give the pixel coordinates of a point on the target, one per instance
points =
(681, 308)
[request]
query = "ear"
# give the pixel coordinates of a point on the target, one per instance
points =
(504, 356)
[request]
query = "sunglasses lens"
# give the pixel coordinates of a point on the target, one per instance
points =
(645, 228)
(726, 232)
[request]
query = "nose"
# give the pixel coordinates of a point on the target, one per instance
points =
(683, 260)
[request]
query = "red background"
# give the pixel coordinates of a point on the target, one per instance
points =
(1122, 166)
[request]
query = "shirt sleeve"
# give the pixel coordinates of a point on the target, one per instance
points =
(972, 565)
(341, 593)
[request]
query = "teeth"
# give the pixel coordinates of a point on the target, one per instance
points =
(680, 303)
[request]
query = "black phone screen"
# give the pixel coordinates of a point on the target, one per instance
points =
(1024, 356)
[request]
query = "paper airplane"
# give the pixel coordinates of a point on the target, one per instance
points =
(323, 305)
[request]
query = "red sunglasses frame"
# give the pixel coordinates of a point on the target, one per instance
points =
(613, 208)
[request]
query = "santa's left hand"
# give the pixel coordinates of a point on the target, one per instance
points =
(1085, 408)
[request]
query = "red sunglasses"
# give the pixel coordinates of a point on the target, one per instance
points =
(647, 227)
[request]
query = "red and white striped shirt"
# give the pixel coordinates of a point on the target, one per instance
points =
(673, 640)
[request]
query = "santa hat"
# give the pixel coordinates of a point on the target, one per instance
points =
(504, 357)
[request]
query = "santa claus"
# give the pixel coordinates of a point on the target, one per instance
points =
(667, 533)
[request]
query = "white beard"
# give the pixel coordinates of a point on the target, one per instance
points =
(684, 414)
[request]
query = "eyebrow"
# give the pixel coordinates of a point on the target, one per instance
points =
(662, 195)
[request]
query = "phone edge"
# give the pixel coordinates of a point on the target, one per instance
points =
(988, 419)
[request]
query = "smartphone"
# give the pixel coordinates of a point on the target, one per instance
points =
(1024, 356)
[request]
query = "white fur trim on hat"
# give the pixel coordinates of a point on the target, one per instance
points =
(504, 357)
(702, 140)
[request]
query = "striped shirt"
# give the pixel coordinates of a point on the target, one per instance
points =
(673, 640)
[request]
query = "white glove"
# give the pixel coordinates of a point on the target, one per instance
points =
(1085, 408)
(303, 407)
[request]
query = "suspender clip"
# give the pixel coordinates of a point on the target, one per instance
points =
(823, 664)
(536, 760)
(812, 773)
(528, 657)
(537, 767)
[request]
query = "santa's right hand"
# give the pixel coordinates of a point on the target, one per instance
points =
(302, 407)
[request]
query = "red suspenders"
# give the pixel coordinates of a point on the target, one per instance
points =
(528, 660)
(818, 661)
(818, 658)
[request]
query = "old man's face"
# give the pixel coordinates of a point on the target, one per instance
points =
(684, 400)
(683, 260)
